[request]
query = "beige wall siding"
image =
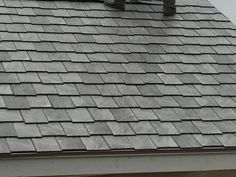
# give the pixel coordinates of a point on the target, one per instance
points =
(231, 173)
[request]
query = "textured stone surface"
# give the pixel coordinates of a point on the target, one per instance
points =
(76, 76)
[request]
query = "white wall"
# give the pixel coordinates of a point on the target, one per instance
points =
(227, 7)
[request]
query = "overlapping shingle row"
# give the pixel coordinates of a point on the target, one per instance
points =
(79, 76)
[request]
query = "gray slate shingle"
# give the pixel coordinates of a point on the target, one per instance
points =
(76, 80)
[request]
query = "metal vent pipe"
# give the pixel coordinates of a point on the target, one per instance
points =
(169, 7)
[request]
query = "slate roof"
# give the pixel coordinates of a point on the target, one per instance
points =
(78, 76)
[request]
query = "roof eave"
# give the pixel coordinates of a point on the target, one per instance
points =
(117, 164)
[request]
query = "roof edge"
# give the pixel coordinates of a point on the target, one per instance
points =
(117, 164)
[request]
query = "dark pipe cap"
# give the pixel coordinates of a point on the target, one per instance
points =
(116, 4)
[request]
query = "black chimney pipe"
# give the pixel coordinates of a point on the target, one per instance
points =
(168, 5)
(116, 4)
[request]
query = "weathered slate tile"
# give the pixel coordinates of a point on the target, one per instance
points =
(206, 90)
(186, 127)
(150, 78)
(168, 90)
(74, 129)
(187, 90)
(225, 90)
(164, 128)
(126, 102)
(188, 79)
(163, 141)
(75, 67)
(108, 90)
(225, 114)
(46, 144)
(20, 145)
(6, 78)
(52, 129)
(104, 102)
(26, 130)
(225, 101)
(186, 141)
(34, 116)
(187, 114)
(54, 115)
(98, 128)
(141, 142)
(207, 114)
(166, 114)
(79, 115)
(101, 114)
(67, 143)
(123, 115)
(144, 114)
(130, 79)
(5, 89)
(67, 89)
(83, 101)
(60, 101)
(128, 89)
(87, 89)
(28, 77)
(228, 140)
(167, 101)
(23, 89)
(149, 90)
(143, 128)
(38, 102)
(50, 78)
(39, 56)
(7, 130)
(45, 89)
(226, 126)
(169, 79)
(16, 102)
(207, 127)
(207, 140)
(118, 142)
(146, 102)
(120, 128)
(186, 102)
(206, 101)
(91, 78)
(95, 143)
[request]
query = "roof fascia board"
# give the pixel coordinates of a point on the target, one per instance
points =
(98, 165)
